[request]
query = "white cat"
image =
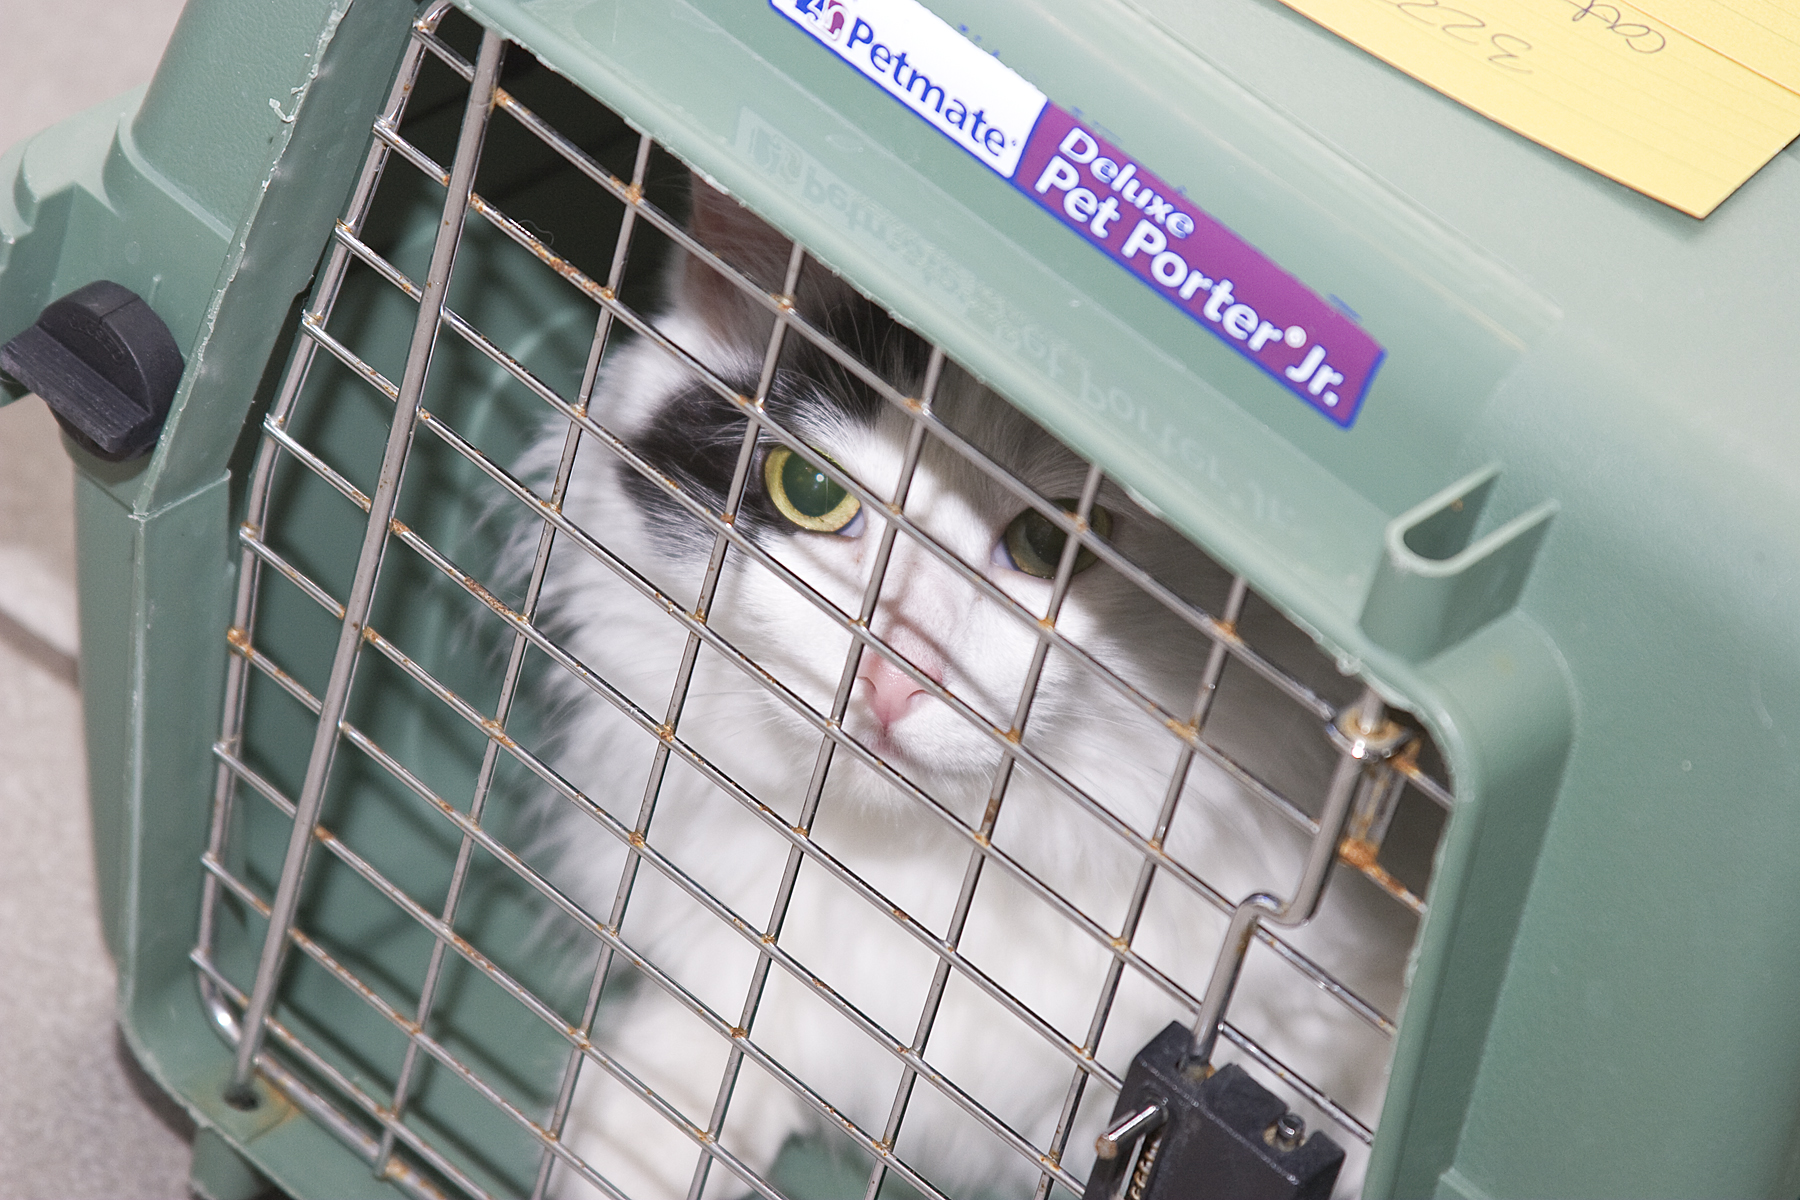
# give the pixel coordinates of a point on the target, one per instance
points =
(914, 857)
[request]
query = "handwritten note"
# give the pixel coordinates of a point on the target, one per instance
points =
(1761, 35)
(1607, 84)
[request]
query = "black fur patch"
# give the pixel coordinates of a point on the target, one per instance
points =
(696, 434)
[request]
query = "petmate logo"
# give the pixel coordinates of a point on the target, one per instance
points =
(1222, 283)
(828, 16)
(970, 96)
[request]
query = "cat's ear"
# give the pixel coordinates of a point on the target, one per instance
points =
(744, 240)
(739, 237)
(736, 235)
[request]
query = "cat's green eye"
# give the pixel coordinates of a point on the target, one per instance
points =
(806, 495)
(1035, 543)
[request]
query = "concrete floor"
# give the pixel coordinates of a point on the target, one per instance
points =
(77, 1119)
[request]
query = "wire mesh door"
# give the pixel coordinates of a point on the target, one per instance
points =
(482, 745)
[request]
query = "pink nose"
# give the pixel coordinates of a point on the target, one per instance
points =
(892, 691)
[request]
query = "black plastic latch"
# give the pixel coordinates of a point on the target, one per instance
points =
(105, 364)
(1175, 1136)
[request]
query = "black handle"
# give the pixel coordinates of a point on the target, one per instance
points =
(105, 364)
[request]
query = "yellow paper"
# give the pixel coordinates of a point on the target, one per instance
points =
(1608, 85)
(1762, 36)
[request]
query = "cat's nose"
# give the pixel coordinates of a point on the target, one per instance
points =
(891, 691)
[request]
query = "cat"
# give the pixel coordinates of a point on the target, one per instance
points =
(914, 857)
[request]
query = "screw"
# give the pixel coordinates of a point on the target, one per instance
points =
(1286, 1133)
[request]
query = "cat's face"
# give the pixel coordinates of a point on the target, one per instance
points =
(936, 617)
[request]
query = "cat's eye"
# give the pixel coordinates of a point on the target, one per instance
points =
(806, 495)
(1033, 543)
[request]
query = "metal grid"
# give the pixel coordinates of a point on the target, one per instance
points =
(1365, 791)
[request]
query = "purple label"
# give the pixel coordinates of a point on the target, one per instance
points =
(1223, 283)
(1219, 280)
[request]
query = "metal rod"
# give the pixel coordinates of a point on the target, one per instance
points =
(1128, 1129)
(709, 587)
(1140, 893)
(565, 1092)
(503, 708)
(1364, 737)
(965, 899)
(569, 906)
(337, 692)
(840, 704)
(262, 475)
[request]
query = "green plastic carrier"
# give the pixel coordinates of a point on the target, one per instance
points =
(1563, 531)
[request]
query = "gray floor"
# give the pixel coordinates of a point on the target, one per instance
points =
(76, 1118)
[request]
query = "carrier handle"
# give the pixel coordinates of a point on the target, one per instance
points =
(105, 364)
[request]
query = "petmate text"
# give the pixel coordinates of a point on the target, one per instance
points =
(970, 96)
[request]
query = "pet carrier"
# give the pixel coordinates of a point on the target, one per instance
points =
(1491, 455)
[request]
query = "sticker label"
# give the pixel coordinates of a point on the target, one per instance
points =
(1221, 282)
(970, 96)
(1217, 278)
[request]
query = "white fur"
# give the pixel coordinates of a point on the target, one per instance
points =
(1085, 730)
